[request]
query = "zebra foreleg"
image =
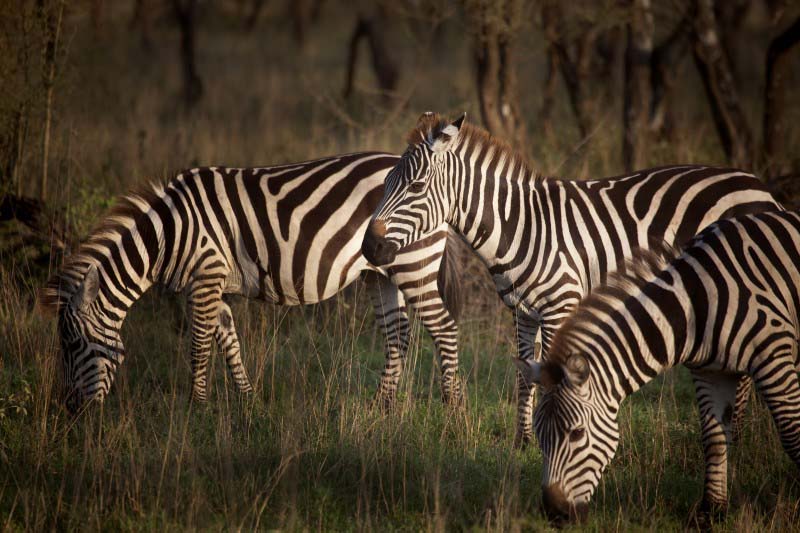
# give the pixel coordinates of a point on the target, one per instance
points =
(425, 296)
(527, 327)
(228, 342)
(392, 317)
(716, 397)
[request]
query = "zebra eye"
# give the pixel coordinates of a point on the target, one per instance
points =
(416, 186)
(577, 434)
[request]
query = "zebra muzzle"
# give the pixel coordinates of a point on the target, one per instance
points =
(376, 248)
(560, 510)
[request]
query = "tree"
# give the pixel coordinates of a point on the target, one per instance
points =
(383, 64)
(774, 121)
(51, 16)
(715, 70)
(636, 92)
(185, 12)
(495, 25)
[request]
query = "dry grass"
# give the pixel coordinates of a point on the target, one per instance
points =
(306, 451)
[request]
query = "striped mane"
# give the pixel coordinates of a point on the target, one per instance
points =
(430, 126)
(119, 219)
(641, 268)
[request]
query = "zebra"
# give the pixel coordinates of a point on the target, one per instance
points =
(727, 306)
(547, 242)
(288, 234)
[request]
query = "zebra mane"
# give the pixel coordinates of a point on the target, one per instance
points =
(641, 268)
(118, 219)
(430, 126)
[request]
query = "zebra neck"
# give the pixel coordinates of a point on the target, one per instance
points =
(503, 210)
(125, 273)
(644, 334)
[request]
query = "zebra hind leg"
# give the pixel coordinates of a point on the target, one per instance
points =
(743, 393)
(779, 386)
(228, 342)
(716, 396)
(527, 348)
(392, 317)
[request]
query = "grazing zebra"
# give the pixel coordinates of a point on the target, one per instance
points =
(726, 307)
(547, 242)
(288, 234)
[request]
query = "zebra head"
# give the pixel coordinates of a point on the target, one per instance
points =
(418, 194)
(577, 433)
(90, 346)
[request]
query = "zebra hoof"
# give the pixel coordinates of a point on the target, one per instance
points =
(706, 514)
(385, 401)
(453, 399)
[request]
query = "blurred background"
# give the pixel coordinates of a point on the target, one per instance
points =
(98, 96)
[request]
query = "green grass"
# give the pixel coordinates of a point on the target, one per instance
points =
(307, 450)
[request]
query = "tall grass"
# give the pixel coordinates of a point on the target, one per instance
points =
(307, 450)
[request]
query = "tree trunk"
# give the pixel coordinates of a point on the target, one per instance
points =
(255, 11)
(575, 71)
(549, 93)
(496, 75)
(51, 31)
(383, 64)
(141, 17)
(185, 11)
(664, 66)
(774, 126)
(715, 71)
(637, 84)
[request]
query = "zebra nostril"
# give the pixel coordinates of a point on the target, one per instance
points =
(375, 247)
(556, 506)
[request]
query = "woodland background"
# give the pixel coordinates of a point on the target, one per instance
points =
(97, 96)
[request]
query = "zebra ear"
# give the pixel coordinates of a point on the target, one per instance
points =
(576, 369)
(531, 370)
(447, 137)
(545, 374)
(87, 290)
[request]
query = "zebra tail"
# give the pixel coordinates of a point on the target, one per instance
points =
(450, 273)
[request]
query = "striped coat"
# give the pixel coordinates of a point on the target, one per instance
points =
(728, 306)
(288, 234)
(547, 242)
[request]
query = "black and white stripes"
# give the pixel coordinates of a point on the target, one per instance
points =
(547, 242)
(288, 234)
(726, 307)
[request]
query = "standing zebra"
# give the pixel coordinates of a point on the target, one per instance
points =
(287, 234)
(547, 242)
(727, 306)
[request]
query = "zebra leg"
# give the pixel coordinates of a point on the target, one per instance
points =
(527, 327)
(424, 291)
(779, 386)
(716, 396)
(743, 392)
(391, 314)
(204, 301)
(228, 342)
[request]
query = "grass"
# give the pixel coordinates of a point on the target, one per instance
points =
(307, 451)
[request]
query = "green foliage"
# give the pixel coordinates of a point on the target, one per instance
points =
(16, 404)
